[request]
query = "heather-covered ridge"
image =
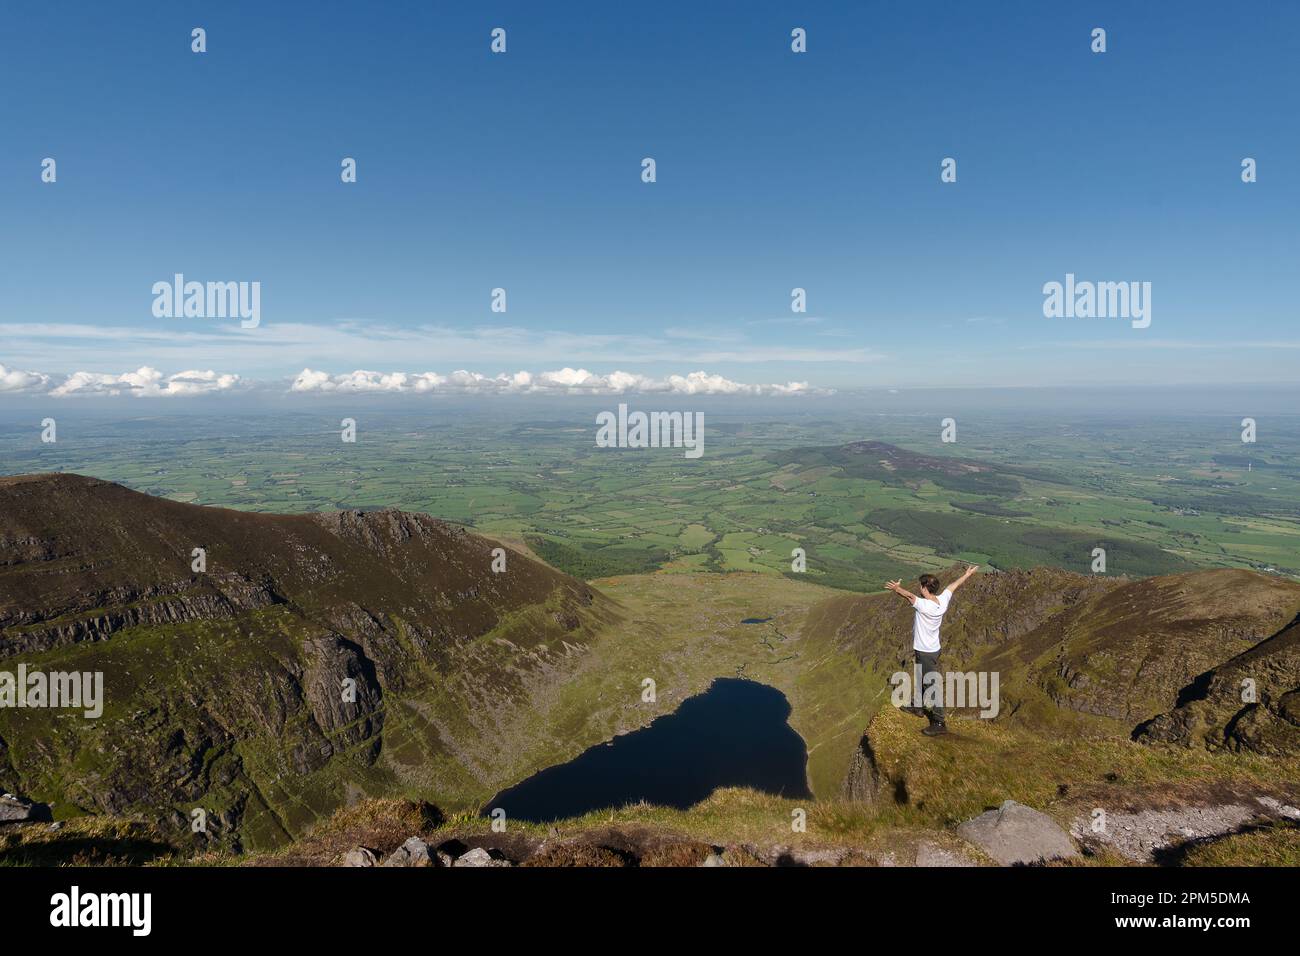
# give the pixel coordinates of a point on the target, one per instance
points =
(225, 687)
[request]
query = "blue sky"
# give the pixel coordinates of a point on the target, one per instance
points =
(775, 170)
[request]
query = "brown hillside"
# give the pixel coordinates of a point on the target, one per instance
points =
(82, 558)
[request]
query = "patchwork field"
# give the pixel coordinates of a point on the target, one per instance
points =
(866, 497)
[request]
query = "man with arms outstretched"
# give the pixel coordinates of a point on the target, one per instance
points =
(930, 608)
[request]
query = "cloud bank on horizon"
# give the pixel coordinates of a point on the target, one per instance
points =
(565, 381)
(147, 382)
(144, 382)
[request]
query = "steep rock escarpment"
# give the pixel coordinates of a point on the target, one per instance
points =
(1251, 702)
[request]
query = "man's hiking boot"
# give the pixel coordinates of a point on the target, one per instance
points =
(914, 711)
(934, 730)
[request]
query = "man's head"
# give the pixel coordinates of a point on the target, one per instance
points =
(930, 586)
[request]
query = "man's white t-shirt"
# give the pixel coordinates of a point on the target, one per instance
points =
(925, 627)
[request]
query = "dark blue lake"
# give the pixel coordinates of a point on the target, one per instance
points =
(733, 735)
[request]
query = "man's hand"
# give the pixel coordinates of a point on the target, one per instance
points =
(970, 569)
(897, 588)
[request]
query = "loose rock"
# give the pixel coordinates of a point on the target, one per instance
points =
(17, 810)
(360, 856)
(480, 857)
(1016, 834)
(414, 852)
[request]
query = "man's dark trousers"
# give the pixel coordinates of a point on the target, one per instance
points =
(929, 664)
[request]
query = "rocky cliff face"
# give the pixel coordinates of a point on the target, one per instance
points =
(1128, 654)
(862, 782)
(1251, 702)
(315, 657)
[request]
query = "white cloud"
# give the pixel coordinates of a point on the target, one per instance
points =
(565, 381)
(145, 382)
(16, 380)
(358, 381)
(149, 382)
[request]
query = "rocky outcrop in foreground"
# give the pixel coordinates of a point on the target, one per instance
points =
(641, 846)
(1161, 834)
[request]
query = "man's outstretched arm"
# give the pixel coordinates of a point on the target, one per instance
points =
(963, 579)
(897, 588)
